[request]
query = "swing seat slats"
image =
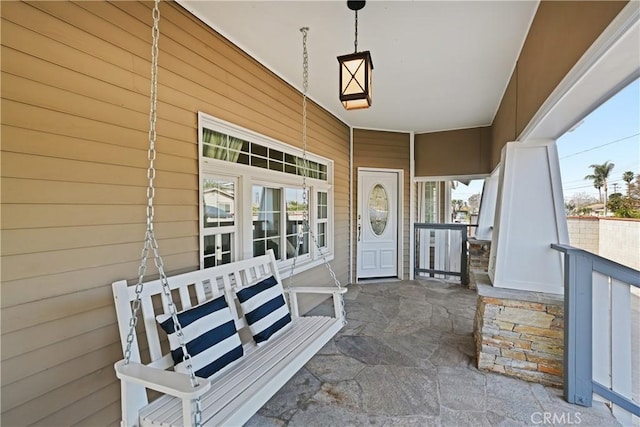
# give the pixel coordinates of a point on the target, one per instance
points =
(229, 397)
(247, 386)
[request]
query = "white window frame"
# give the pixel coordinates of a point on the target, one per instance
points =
(284, 261)
(322, 220)
(212, 231)
(247, 176)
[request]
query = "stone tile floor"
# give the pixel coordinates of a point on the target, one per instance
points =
(406, 358)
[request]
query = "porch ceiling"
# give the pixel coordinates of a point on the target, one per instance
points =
(439, 65)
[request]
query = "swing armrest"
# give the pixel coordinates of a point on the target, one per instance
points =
(327, 290)
(171, 383)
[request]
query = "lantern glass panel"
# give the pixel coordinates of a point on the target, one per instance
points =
(353, 77)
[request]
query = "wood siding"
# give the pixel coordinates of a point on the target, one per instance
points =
(503, 128)
(560, 34)
(456, 152)
(384, 150)
(75, 84)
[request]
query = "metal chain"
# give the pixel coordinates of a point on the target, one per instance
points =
(150, 241)
(305, 88)
(305, 212)
(355, 43)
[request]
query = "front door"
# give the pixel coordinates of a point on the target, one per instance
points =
(377, 224)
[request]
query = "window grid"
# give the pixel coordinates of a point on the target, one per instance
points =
(297, 237)
(218, 249)
(218, 220)
(266, 222)
(322, 218)
(220, 146)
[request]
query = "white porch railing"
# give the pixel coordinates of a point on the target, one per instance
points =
(599, 343)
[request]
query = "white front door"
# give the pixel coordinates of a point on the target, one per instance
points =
(377, 224)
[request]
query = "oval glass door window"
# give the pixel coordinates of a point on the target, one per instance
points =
(378, 209)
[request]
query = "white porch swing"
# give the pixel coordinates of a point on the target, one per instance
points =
(210, 376)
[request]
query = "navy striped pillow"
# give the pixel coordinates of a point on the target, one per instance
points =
(210, 335)
(264, 308)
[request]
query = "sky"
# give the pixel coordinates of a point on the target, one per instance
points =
(611, 132)
(464, 191)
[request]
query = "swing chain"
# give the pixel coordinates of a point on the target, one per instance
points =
(305, 163)
(150, 241)
(305, 87)
(151, 155)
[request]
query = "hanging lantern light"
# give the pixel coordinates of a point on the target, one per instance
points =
(355, 71)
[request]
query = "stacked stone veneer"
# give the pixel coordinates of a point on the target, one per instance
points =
(520, 334)
(479, 251)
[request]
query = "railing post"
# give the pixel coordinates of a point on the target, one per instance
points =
(463, 263)
(578, 277)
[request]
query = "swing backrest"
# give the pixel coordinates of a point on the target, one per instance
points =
(188, 289)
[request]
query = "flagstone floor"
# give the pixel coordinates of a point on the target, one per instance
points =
(406, 358)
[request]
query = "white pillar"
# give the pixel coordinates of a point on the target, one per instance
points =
(486, 214)
(529, 217)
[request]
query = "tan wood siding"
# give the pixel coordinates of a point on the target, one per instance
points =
(561, 32)
(451, 153)
(384, 150)
(75, 83)
(503, 128)
(559, 35)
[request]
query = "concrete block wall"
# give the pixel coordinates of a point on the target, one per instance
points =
(620, 241)
(584, 233)
(617, 239)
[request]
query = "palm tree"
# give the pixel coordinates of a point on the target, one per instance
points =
(457, 206)
(597, 183)
(599, 176)
(628, 177)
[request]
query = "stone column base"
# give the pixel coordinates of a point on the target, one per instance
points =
(520, 334)
(478, 260)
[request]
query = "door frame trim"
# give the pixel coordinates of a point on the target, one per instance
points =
(400, 219)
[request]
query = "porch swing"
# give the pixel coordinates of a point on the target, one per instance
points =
(234, 339)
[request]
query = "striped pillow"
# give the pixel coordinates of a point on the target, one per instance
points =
(264, 308)
(210, 335)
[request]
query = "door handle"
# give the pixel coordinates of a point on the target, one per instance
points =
(359, 231)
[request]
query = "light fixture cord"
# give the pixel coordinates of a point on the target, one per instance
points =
(355, 43)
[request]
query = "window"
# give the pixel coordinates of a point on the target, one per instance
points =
(429, 205)
(252, 198)
(267, 230)
(297, 235)
(323, 218)
(219, 227)
(220, 146)
(268, 222)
